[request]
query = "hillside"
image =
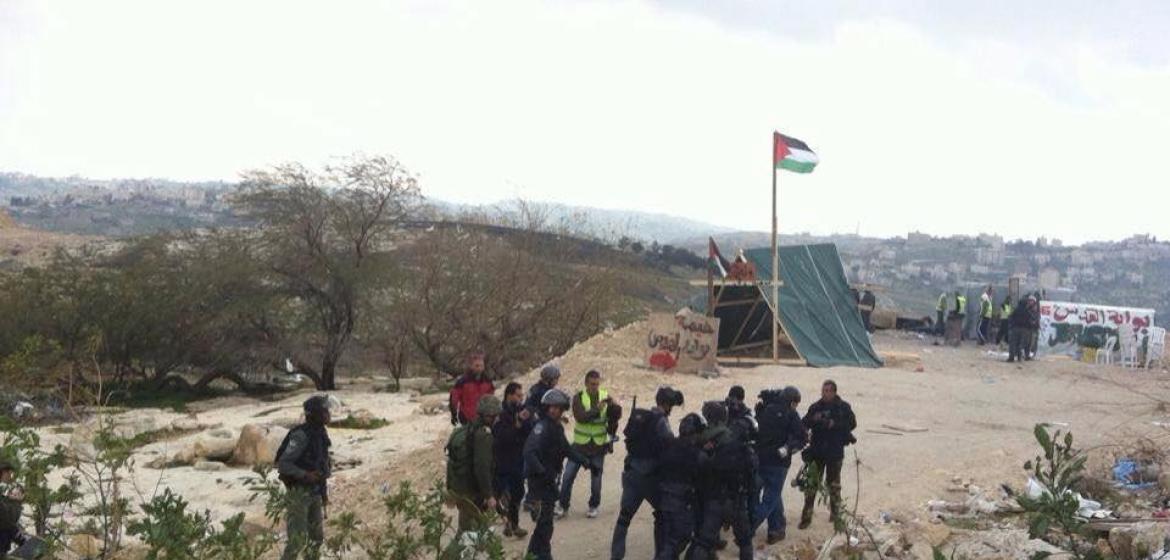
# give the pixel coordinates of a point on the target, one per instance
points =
(123, 207)
(21, 246)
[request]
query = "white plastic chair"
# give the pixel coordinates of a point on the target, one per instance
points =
(1156, 347)
(1127, 336)
(1105, 352)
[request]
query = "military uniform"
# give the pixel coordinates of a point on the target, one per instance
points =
(306, 449)
(470, 478)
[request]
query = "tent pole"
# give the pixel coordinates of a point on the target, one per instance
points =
(775, 265)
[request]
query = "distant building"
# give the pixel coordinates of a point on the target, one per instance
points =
(1049, 278)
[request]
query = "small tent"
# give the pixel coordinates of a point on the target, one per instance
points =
(819, 319)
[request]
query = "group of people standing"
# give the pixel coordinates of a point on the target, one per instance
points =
(726, 467)
(1016, 323)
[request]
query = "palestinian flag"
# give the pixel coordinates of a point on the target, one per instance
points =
(715, 260)
(792, 154)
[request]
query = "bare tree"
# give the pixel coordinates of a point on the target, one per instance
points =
(323, 237)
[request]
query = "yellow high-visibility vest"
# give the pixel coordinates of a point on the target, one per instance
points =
(595, 431)
(987, 307)
(961, 305)
(942, 302)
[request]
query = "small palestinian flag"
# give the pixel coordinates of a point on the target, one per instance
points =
(792, 154)
(715, 260)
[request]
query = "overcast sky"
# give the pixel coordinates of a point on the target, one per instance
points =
(1022, 118)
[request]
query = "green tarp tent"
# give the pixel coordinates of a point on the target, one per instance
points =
(818, 314)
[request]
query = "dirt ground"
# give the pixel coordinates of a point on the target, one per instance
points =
(978, 413)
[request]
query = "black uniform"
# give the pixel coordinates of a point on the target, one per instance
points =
(544, 457)
(831, 428)
(681, 463)
(535, 393)
(640, 483)
(726, 475)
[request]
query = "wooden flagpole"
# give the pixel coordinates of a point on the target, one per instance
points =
(775, 262)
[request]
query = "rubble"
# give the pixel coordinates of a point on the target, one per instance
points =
(1139, 541)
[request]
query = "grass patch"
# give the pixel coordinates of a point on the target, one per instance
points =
(139, 395)
(352, 423)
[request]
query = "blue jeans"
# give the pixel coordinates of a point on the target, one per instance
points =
(571, 469)
(771, 506)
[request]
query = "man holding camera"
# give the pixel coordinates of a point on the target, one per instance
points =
(830, 422)
(596, 416)
(781, 436)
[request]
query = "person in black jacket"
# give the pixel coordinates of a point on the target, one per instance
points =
(544, 457)
(511, 431)
(831, 423)
(1020, 336)
(550, 375)
(682, 461)
(781, 436)
(725, 475)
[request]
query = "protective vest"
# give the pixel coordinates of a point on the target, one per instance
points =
(595, 431)
(987, 307)
(961, 304)
(1006, 311)
(942, 302)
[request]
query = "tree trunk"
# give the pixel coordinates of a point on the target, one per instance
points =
(328, 380)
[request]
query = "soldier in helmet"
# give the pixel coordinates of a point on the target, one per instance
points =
(550, 375)
(471, 466)
(544, 457)
(682, 460)
(303, 464)
(729, 471)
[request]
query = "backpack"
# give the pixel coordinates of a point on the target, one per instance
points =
(288, 481)
(642, 441)
(461, 454)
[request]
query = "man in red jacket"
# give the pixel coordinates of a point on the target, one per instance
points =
(468, 389)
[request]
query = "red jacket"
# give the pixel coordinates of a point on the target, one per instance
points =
(465, 396)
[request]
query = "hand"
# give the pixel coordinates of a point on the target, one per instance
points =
(16, 494)
(454, 421)
(709, 445)
(783, 452)
(489, 504)
(525, 415)
(313, 477)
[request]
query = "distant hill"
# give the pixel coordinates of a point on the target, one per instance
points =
(120, 207)
(599, 223)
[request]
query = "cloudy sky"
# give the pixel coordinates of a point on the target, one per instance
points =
(1047, 117)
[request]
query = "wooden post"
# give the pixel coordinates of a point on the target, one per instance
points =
(775, 263)
(710, 287)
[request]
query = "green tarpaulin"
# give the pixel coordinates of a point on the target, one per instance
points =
(817, 311)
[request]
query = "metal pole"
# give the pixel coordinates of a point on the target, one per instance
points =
(775, 265)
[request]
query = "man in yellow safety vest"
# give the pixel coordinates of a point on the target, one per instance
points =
(1005, 311)
(960, 312)
(596, 416)
(941, 319)
(986, 309)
